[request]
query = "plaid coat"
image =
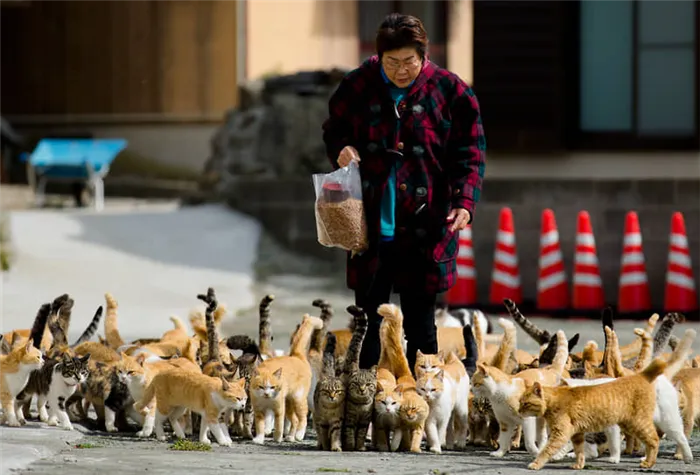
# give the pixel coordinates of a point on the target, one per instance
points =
(442, 140)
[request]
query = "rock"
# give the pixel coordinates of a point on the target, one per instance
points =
(275, 131)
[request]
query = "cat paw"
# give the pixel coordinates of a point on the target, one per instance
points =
(436, 449)
(162, 438)
(225, 443)
(361, 448)
(14, 424)
(578, 466)
(52, 421)
(534, 466)
(645, 464)
(205, 440)
(416, 450)
(141, 433)
(43, 416)
(111, 428)
(259, 439)
(22, 421)
(611, 459)
(515, 445)
(287, 438)
(497, 453)
(68, 426)
(336, 448)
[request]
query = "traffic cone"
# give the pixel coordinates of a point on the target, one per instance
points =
(505, 277)
(587, 286)
(634, 286)
(552, 288)
(463, 293)
(680, 293)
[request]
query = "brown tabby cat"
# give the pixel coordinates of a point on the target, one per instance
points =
(281, 384)
(414, 410)
(329, 402)
(361, 386)
(628, 402)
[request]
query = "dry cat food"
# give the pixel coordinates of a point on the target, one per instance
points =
(342, 224)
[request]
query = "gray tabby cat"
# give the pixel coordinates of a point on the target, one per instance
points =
(360, 387)
(54, 383)
(540, 336)
(329, 402)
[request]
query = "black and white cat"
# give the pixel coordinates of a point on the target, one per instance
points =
(53, 384)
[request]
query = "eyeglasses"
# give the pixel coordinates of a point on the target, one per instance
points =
(394, 65)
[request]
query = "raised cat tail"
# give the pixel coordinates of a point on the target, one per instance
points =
(507, 346)
(37, 331)
(326, 316)
(654, 370)
(264, 326)
(471, 349)
(540, 336)
(245, 344)
(352, 356)
(91, 329)
(114, 339)
(664, 332)
(678, 358)
(562, 354)
(329, 356)
(392, 356)
(300, 343)
(177, 323)
(212, 331)
(479, 336)
(62, 309)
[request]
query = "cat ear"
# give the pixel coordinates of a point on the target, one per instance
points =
(440, 375)
(373, 370)
(5, 346)
(419, 354)
(29, 345)
(224, 384)
(537, 389)
(85, 358)
(278, 373)
(140, 359)
(564, 383)
(481, 367)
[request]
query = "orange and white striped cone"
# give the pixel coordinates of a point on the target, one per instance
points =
(552, 288)
(463, 293)
(680, 295)
(634, 293)
(588, 291)
(505, 277)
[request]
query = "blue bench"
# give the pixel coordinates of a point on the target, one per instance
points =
(85, 160)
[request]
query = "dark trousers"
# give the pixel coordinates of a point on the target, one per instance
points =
(418, 310)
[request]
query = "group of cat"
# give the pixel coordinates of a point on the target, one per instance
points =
(479, 389)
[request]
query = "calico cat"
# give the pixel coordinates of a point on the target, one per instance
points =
(177, 390)
(281, 384)
(54, 383)
(361, 387)
(16, 367)
(329, 402)
(414, 410)
(628, 402)
(503, 392)
(447, 393)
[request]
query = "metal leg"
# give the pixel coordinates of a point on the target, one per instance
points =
(40, 192)
(99, 193)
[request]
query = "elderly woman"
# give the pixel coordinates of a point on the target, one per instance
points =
(415, 131)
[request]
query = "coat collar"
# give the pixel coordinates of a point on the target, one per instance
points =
(374, 68)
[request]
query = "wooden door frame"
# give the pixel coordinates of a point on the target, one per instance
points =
(624, 141)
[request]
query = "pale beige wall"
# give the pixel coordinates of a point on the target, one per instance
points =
(285, 36)
(460, 42)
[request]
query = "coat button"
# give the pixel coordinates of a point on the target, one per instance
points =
(399, 145)
(421, 191)
(457, 191)
(402, 187)
(421, 233)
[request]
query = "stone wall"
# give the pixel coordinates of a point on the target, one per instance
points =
(285, 208)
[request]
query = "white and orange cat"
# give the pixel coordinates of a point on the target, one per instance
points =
(14, 375)
(280, 385)
(447, 393)
(177, 390)
(503, 392)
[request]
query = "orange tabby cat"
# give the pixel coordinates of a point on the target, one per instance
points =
(281, 385)
(572, 411)
(14, 375)
(414, 410)
(687, 383)
(177, 390)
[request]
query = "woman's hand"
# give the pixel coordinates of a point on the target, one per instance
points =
(347, 155)
(459, 217)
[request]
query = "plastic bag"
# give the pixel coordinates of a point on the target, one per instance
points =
(340, 214)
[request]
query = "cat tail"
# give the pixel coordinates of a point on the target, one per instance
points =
(479, 337)
(114, 339)
(540, 336)
(328, 370)
(300, 343)
(352, 356)
(91, 329)
(178, 324)
(392, 356)
(678, 358)
(39, 325)
(319, 336)
(654, 370)
(673, 342)
(507, 346)
(264, 325)
(664, 332)
(59, 320)
(562, 354)
(471, 349)
(212, 330)
(644, 358)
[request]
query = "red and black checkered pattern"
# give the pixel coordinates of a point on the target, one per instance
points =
(441, 138)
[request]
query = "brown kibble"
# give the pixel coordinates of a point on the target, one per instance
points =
(342, 224)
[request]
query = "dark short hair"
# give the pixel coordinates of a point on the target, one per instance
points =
(401, 31)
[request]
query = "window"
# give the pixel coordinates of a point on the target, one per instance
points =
(638, 74)
(433, 14)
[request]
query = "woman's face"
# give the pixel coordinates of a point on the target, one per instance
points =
(402, 66)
